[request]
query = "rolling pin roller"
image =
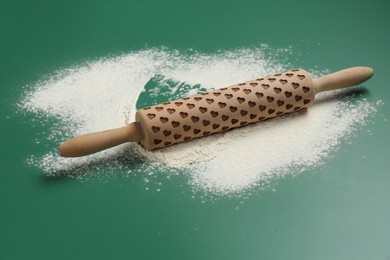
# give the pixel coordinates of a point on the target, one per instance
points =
(211, 112)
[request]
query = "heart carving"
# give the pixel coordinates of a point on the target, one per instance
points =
(243, 123)
(196, 131)
(177, 136)
(155, 129)
(270, 99)
(228, 96)
(283, 81)
(167, 143)
(240, 100)
(190, 106)
(289, 75)
(280, 102)
(243, 112)
(225, 128)
(262, 108)
(235, 89)
(306, 101)
(251, 104)
(265, 86)
(206, 122)
(295, 85)
(183, 114)
(259, 94)
(163, 120)
(287, 94)
(209, 100)
(147, 108)
(253, 84)
(197, 98)
(215, 126)
(234, 121)
(171, 110)
(271, 79)
(305, 89)
(214, 113)
(157, 141)
(159, 108)
(301, 77)
(297, 98)
(288, 106)
(175, 124)
(167, 132)
(247, 91)
(233, 109)
(252, 116)
(203, 110)
(216, 94)
(277, 90)
(261, 118)
(194, 119)
(221, 104)
(178, 103)
(271, 111)
(225, 117)
(186, 127)
(151, 116)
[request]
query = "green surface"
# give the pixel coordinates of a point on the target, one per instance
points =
(341, 211)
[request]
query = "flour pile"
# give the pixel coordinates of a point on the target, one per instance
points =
(102, 94)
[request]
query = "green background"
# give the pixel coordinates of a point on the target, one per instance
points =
(340, 211)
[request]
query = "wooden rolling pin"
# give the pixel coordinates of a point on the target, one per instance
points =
(211, 112)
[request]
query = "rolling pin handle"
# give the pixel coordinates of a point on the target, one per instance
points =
(96, 142)
(343, 79)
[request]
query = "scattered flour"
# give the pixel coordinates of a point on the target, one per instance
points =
(102, 94)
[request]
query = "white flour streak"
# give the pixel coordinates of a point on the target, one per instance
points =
(102, 95)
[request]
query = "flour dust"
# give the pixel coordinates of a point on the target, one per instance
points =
(103, 94)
